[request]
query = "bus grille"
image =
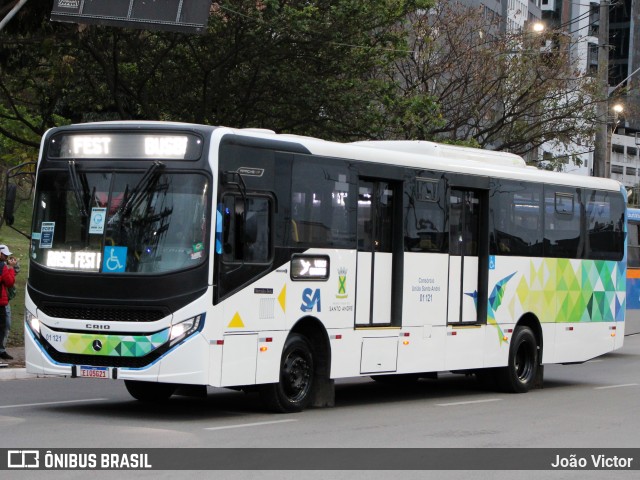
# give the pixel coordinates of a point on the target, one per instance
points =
(103, 361)
(91, 312)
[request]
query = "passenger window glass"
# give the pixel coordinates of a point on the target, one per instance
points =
(425, 228)
(633, 254)
(562, 222)
(322, 214)
(516, 218)
(246, 229)
(605, 218)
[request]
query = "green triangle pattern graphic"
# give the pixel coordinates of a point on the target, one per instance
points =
(572, 290)
(115, 345)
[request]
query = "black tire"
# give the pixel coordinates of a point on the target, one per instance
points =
(520, 374)
(149, 391)
(293, 392)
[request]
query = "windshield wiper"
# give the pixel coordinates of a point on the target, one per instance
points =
(75, 184)
(137, 193)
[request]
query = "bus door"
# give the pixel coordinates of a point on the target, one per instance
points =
(375, 252)
(468, 256)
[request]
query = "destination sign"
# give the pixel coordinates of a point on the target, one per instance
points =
(97, 145)
(79, 260)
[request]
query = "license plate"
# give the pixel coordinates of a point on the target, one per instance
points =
(94, 372)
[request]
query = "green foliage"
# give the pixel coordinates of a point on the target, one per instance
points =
(19, 246)
(341, 70)
(302, 67)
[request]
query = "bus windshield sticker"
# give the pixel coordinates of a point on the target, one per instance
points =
(96, 225)
(114, 259)
(46, 234)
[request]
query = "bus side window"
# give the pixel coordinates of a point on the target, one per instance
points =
(604, 225)
(246, 229)
(257, 231)
(516, 218)
(562, 222)
(323, 203)
(633, 256)
(425, 220)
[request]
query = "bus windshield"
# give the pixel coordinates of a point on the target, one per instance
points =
(120, 222)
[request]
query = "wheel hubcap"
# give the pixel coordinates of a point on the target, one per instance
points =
(297, 374)
(523, 362)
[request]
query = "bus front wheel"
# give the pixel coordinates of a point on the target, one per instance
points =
(149, 391)
(293, 392)
(520, 374)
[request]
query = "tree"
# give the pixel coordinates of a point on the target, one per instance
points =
(505, 91)
(289, 65)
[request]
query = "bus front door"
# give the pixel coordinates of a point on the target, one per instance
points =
(375, 253)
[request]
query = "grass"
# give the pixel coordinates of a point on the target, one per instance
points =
(19, 246)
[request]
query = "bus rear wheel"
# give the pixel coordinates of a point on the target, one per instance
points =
(520, 374)
(293, 392)
(149, 391)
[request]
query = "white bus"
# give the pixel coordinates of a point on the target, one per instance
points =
(173, 255)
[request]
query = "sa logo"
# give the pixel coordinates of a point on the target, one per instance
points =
(310, 300)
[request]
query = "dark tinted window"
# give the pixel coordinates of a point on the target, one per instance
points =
(605, 225)
(633, 249)
(562, 222)
(425, 227)
(322, 204)
(464, 220)
(515, 217)
(574, 223)
(246, 229)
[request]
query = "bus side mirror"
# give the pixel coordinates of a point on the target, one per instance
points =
(9, 204)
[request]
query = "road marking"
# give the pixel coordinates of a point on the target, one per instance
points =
(256, 424)
(53, 403)
(617, 386)
(469, 402)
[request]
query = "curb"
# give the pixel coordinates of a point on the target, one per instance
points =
(15, 374)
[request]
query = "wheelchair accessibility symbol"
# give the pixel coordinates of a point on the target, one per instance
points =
(114, 259)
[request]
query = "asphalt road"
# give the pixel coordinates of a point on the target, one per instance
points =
(593, 405)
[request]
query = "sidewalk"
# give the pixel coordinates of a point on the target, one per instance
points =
(13, 369)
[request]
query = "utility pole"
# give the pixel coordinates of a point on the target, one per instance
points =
(601, 157)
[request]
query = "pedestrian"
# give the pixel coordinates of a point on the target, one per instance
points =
(7, 279)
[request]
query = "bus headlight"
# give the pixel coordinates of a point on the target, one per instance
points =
(32, 321)
(185, 328)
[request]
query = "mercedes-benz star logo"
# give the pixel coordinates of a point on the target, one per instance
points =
(97, 345)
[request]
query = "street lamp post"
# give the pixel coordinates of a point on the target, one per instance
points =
(611, 128)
